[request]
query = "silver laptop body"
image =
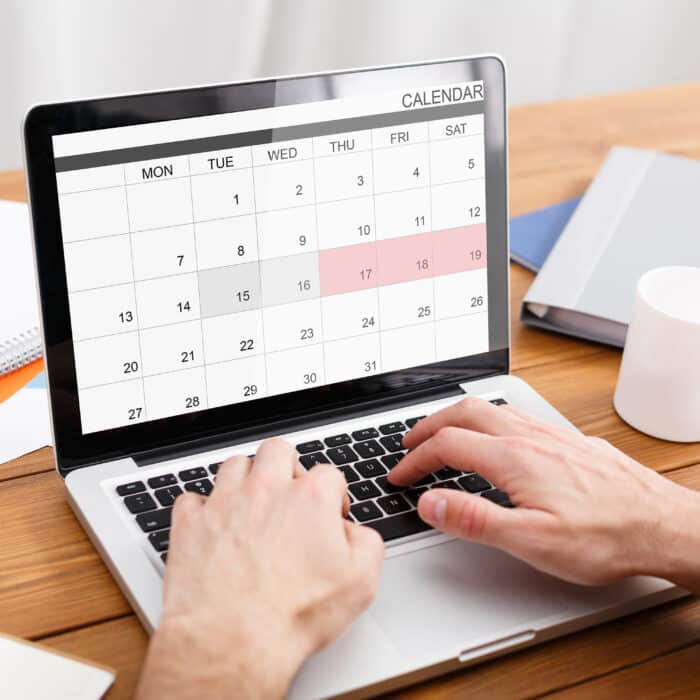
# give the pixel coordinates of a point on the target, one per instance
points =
(313, 257)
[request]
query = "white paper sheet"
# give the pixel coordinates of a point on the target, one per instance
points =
(34, 672)
(24, 423)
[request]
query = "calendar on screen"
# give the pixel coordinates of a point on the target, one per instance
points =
(227, 258)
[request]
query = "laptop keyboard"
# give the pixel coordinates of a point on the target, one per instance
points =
(364, 457)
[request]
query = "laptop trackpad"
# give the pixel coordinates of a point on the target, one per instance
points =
(443, 598)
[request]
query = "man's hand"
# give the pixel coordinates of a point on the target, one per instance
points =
(585, 511)
(260, 575)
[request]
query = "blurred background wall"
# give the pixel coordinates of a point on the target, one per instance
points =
(56, 49)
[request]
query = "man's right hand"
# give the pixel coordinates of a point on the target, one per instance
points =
(585, 511)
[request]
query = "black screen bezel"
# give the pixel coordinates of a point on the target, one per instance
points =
(72, 448)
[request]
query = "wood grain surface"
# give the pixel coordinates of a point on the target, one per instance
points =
(54, 587)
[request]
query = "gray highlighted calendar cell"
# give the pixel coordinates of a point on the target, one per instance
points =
(289, 279)
(227, 290)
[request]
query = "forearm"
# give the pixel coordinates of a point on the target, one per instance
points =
(183, 665)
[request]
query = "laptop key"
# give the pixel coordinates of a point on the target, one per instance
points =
(311, 460)
(392, 443)
(156, 482)
(364, 490)
(131, 487)
(474, 483)
(395, 427)
(412, 421)
(160, 540)
(414, 494)
(393, 504)
(498, 402)
(369, 448)
(365, 434)
(164, 557)
(390, 461)
(427, 479)
(349, 473)
(140, 502)
(447, 473)
(166, 497)
(201, 486)
(400, 525)
(446, 485)
(384, 484)
(499, 497)
(370, 468)
(214, 468)
(192, 474)
(365, 511)
(342, 455)
(303, 448)
(337, 440)
(155, 520)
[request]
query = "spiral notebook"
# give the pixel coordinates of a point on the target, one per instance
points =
(20, 339)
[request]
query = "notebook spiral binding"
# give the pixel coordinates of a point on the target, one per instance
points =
(19, 350)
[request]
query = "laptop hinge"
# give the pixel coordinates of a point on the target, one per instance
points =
(305, 422)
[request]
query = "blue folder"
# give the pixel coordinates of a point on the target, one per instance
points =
(534, 234)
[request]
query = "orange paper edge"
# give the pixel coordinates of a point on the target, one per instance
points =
(11, 383)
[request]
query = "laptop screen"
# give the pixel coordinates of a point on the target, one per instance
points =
(221, 259)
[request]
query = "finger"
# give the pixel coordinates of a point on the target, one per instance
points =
(275, 460)
(472, 413)
(472, 518)
(367, 548)
(229, 479)
(186, 506)
(329, 486)
(459, 448)
(234, 470)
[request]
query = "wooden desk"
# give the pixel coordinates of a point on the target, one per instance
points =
(54, 588)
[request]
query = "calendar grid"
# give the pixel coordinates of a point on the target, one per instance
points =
(283, 350)
(374, 228)
(278, 266)
(136, 310)
(320, 299)
(199, 298)
(259, 211)
(257, 238)
(185, 273)
(432, 259)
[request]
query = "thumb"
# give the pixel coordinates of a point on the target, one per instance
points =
(471, 517)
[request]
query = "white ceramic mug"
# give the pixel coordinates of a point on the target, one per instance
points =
(658, 390)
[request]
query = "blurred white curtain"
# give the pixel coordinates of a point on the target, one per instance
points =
(57, 49)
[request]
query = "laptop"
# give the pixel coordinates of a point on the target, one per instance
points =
(322, 257)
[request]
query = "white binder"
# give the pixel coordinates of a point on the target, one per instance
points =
(640, 212)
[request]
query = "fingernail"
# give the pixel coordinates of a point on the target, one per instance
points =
(437, 507)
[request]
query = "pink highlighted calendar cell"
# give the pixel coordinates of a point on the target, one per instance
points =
(459, 249)
(398, 260)
(348, 269)
(405, 259)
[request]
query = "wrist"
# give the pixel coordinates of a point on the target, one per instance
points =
(204, 660)
(674, 553)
